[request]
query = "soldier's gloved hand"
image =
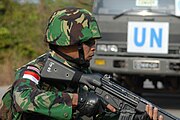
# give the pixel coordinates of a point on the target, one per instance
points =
(149, 114)
(90, 104)
(141, 116)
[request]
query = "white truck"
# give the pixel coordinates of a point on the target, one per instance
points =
(140, 42)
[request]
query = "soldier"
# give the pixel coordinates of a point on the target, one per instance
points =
(71, 35)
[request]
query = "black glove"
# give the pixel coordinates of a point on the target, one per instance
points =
(90, 104)
(141, 116)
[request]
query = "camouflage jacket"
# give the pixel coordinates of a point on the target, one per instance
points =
(34, 99)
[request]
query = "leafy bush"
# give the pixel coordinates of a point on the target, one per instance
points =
(22, 28)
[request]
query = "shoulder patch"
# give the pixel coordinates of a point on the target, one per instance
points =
(33, 76)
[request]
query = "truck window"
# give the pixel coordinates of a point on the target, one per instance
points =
(115, 7)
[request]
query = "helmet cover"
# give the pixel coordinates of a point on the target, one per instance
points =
(71, 26)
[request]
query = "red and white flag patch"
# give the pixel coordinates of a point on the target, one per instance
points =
(33, 76)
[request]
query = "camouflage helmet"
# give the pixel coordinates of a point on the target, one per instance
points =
(70, 26)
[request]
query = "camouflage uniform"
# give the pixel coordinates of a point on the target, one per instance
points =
(31, 97)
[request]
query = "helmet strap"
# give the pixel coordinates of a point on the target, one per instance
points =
(78, 61)
(81, 58)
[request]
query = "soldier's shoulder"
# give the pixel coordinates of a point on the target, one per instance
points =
(37, 62)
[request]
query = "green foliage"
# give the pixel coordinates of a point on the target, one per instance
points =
(2, 7)
(22, 28)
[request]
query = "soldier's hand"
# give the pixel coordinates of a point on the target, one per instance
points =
(74, 100)
(149, 114)
(111, 108)
(153, 113)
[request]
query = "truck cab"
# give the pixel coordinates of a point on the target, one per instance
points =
(140, 41)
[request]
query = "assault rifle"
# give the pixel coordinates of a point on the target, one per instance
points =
(121, 98)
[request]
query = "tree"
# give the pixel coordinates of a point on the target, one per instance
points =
(22, 28)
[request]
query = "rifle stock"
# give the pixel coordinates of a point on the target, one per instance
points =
(126, 102)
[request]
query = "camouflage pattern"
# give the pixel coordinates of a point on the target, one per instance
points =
(70, 26)
(40, 101)
(5, 107)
